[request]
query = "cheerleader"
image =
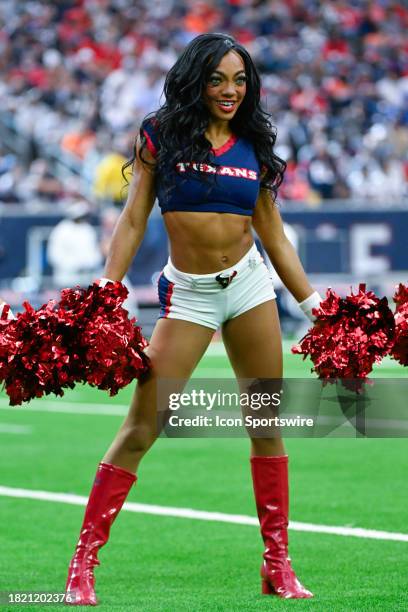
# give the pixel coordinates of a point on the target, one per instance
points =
(208, 156)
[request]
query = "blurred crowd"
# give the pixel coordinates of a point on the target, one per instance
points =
(80, 75)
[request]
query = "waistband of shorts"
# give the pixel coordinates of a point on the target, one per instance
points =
(249, 261)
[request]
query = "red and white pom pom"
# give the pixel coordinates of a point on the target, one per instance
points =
(349, 336)
(399, 351)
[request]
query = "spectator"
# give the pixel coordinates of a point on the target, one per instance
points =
(73, 248)
(109, 185)
(11, 174)
(41, 183)
(323, 175)
(79, 141)
(381, 182)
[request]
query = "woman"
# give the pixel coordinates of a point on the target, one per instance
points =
(207, 154)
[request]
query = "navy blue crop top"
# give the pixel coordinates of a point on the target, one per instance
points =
(237, 183)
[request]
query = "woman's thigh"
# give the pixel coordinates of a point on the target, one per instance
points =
(254, 346)
(253, 342)
(175, 349)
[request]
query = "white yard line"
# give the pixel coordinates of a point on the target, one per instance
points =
(67, 407)
(217, 373)
(217, 349)
(201, 515)
(11, 428)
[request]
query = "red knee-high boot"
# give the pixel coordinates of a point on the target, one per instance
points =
(109, 491)
(270, 478)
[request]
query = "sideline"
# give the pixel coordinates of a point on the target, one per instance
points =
(201, 515)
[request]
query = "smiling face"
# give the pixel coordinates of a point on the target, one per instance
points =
(226, 87)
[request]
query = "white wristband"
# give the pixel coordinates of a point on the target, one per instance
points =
(10, 314)
(104, 281)
(313, 301)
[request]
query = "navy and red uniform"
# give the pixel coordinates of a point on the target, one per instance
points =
(211, 299)
(234, 190)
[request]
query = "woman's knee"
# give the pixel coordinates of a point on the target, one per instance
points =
(137, 438)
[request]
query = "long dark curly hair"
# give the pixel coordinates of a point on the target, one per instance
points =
(182, 120)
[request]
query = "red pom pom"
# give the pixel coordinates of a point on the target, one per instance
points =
(86, 337)
(34, 357)
(349, 336)
(109, 346)
(400, 349)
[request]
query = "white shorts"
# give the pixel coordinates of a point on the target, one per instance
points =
(211, 299)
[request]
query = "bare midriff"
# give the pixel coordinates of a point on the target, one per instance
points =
(206, 242)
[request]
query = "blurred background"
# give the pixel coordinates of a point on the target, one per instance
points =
(77, 77)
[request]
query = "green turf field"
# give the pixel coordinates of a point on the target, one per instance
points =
(161, 563)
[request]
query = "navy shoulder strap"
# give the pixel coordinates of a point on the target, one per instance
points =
(149, 132)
